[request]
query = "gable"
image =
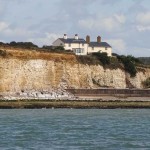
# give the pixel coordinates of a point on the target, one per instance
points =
(58, 42)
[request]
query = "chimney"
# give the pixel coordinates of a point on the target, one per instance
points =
(98, 39)
(65, 36)
(76, 36)
(88, 39)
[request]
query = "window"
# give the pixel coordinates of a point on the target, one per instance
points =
(82, 44)
(92, 48)
(105, 48)
(69, 45)
(78, 50)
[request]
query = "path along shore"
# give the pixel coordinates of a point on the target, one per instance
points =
(76, 104)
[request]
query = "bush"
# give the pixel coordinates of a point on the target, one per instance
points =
(129, 64)
(133, 59)
(28, 45)
(146, 83)
(59, 48)
(47, 47)
(102, 57)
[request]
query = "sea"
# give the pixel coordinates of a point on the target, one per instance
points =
(75, 129)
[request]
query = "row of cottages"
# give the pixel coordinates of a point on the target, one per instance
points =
(83, 47)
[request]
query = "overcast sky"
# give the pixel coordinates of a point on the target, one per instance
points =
(124, 24)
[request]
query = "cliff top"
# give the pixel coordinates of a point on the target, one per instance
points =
(23, 53)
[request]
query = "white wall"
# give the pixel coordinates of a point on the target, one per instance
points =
(85, 47)
(77, 46)
(101, 49)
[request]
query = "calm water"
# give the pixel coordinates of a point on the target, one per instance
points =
(69, 129)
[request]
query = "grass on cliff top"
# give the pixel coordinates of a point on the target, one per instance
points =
(20, 53)
(34, 104)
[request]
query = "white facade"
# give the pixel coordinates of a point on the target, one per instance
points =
(77, 48)
(80, 46)
(107, 50)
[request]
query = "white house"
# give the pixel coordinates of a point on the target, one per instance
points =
(81, 47)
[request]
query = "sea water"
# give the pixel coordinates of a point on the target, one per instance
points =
(75, 129)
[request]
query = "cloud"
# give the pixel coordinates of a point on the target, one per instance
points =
(143, 18)
(108, 23)
(3, 26)
(143, 21)
(118, 45)
(110, 2)
(46, 40)
(120, 18)
(143, 28)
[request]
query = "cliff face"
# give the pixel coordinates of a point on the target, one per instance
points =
(44, 74)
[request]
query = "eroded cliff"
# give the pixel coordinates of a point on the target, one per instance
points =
(45, 71)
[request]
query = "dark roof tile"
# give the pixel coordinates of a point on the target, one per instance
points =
(72, 40)
(101, 44)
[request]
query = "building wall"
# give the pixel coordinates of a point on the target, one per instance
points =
(73, 46)
(107, 50)
(85, 47)
(58, 42)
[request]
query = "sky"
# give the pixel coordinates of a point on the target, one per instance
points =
(124, 24)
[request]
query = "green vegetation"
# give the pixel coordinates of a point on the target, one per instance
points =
(58, 48)
(102, 57)
(129, 63)
(146, 83)
(54, 48)
(26, 45)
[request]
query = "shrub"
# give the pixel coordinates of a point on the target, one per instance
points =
(133, 59)
(129, 64)
(103, 58)
(146, 83)
(28, 45)
(59, 48)
(47, 47)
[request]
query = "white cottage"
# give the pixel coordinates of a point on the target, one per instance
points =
(81, 47)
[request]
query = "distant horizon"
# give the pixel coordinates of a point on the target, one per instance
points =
(125, 25)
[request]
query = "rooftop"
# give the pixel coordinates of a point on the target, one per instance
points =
(72, 40)
(101, 44)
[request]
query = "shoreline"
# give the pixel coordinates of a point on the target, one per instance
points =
(73, 104)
